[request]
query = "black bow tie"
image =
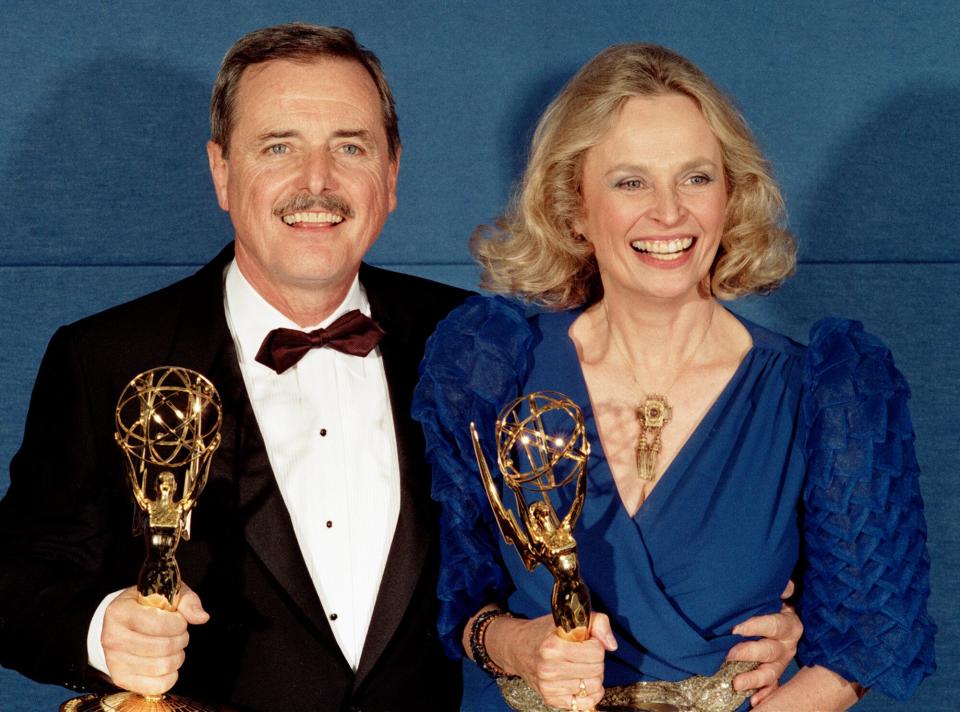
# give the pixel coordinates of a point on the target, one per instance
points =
(353, 333)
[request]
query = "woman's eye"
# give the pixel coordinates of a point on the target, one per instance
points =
(631, 184)
(700, 180)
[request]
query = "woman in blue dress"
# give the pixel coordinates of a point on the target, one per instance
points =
(725, 458)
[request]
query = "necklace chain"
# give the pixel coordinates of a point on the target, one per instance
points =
(653, 411)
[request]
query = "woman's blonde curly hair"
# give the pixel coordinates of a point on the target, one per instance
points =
(533, 251)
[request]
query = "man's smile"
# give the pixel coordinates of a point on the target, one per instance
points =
(314, 218)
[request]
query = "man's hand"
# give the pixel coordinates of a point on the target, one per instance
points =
(779, 633)
(143, 646)
(813, 688)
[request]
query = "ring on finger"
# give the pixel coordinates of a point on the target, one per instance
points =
(573, 704)
(583, 689)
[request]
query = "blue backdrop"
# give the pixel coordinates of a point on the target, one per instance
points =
(104, 192)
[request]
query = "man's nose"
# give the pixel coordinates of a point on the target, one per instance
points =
(318, 172)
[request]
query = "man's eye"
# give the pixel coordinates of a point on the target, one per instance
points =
(351, 149)
(278, 149)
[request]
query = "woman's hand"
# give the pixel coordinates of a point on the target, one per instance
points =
(562, 672)
(779, 633)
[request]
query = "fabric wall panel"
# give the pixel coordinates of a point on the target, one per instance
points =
(37, 300)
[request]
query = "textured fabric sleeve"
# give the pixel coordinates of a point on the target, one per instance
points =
(474, 364)
(866, 567)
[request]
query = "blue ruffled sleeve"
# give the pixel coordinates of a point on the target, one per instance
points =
(867, 571)
(475, 363)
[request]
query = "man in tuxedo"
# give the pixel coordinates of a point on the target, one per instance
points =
(312, 560)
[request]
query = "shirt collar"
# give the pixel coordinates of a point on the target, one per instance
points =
(250, 317)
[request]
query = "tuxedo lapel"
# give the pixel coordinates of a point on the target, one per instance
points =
(203, 342)
(401, 349)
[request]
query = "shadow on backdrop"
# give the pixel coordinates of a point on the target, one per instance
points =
(112, 169)
(892, 192)
(521, 121)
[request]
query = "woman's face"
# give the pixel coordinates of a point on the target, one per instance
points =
(654, 199)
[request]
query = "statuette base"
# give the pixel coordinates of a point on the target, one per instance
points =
(132, 702)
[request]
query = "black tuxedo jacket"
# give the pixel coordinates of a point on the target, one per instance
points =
(65, 524)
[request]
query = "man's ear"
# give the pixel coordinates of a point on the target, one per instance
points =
(392, 180)
(219, 172)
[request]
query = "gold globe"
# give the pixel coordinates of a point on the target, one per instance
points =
(541, 441)
(168, 420)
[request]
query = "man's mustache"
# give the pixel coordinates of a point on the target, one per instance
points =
(327, 202)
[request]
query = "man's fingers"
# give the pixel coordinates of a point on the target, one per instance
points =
(761, 626)
(144, 674)
(191, 608)
(125, 614)
(762, 651)
(147, 646)
(762, 676)
(144, 685)
(140, 666)
(784, 626)
(144, 646)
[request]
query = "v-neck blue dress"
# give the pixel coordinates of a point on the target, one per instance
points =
(802, 467)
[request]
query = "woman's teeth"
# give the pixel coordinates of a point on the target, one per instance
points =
(666, 250)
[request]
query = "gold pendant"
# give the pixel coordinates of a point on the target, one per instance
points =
(653, 414)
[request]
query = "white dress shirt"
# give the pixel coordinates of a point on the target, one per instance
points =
(329, 435)
(328, 430)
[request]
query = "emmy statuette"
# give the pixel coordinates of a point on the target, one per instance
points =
(541, 447)
(168, 426)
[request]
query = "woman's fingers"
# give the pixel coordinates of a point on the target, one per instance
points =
(600, 630)
(586, 692)
(568, 672)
